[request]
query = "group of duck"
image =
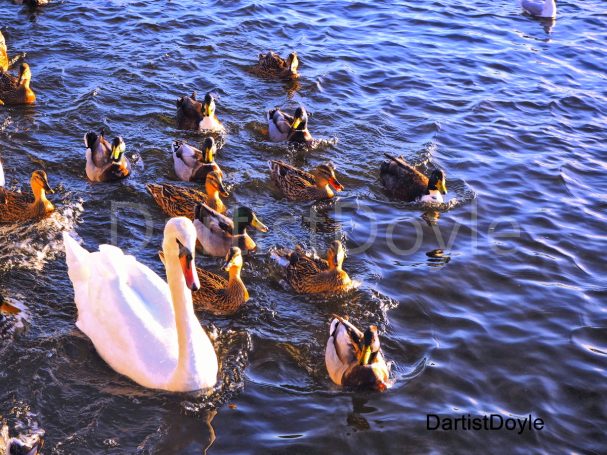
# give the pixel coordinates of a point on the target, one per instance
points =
(165, 347)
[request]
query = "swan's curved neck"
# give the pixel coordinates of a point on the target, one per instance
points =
(184, 315)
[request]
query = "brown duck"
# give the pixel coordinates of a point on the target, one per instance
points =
(176, 200)
(311, 275)
(298, 185)
(19, 208)
(273, 65)
(16, 90)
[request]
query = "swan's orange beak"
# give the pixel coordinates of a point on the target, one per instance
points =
(186, 259)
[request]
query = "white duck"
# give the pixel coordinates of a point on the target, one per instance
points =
(142, 326)
(541, 8)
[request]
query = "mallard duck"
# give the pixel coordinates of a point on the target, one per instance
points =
(312, 275)
(105, 162)
(176, 200)
(354, 358)
(194, 115)
(298, 185)
(218, 295)
(403, 181)
(16, 90)
(20, 207)
(217, 233)
(24, 444)
(541, 8)
(284, 127)
(272, 65)
(193, 165)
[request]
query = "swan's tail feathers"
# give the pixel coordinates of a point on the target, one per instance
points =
(76, 258)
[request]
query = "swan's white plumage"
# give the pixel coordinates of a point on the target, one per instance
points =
(128, 312)
(339, 354)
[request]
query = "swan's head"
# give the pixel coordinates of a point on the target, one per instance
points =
(180, 242)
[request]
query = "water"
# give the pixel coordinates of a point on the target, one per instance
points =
(510, 319)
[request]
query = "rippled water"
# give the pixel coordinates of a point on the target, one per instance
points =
(510, 319)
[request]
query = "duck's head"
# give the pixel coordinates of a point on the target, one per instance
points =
(209, 148)
(300, 119)
(336, 254)
(438, 181)
(209, 105)
(370, 346)
(25, 74)
(325, 175)
(245, 217)
(118, 148)
(293, 63)
(180, 242)
(233, 259)
(39, 182)
(214, 183)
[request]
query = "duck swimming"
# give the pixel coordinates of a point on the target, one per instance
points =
(16, 90)
(194, 115)
(220, 296)
(354, 358)
(217, 233)
(105, 162)
(284, 127)
(272, 65)
(193, 165)
(299, 185)
(142, 326)
(542, 8)
(175, 200)
(312, 275)
(19, 207)
(403, 181)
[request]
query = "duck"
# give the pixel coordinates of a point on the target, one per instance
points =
(194, 115)
(284, 127)
(105, 162)
(19, 207)
(219, 296)
(541, 8)
(24, 444)
(354, 358)
(16, 90)
(313, 275)
(217, 233)
(32, 3)
(193, 165)
(403, 181)
(299, 185)
(273, 65)
(144, 327)
(176, 200)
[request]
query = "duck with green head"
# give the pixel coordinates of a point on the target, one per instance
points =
(403, 181)
(354, 358)
(292, 128)
(194, 115)
(192, 164)
(105, 161)
(217, 233)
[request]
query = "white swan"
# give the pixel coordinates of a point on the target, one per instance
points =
(541, 8)
(141, 326)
